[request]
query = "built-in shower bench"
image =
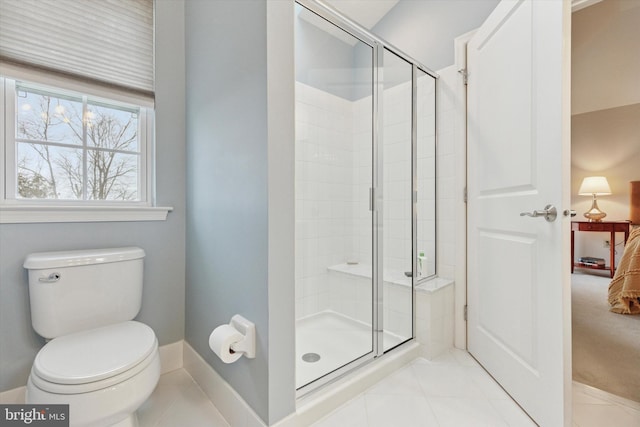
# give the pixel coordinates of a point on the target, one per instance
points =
(434, 304)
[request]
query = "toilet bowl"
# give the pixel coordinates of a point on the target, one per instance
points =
(99, 361)
(103, 374)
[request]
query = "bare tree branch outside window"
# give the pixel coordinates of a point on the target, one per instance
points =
(75, 149)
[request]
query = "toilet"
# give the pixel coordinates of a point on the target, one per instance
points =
(98, 360)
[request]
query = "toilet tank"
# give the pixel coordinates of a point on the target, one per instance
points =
(72, 291)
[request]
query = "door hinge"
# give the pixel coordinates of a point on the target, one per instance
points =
(464, 194)
(465, 313)
(465, 75)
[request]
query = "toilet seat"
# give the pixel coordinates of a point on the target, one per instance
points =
(94, 359)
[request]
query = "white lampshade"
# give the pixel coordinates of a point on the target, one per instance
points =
(597, 185)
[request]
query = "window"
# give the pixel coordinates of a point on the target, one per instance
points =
(77, 87)
(72, 147)
(65, 149)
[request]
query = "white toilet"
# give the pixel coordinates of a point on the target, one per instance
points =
(99, 361)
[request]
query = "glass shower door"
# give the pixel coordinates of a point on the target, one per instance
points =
(333, 146)
(426, 176)
(397, 243)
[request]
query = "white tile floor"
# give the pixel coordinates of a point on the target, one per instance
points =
(449, 391)
(177, 401)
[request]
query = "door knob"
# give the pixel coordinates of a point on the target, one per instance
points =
(549, 213)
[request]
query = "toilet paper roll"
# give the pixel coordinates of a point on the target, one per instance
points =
(221, 340)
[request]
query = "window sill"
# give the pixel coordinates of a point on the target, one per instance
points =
(21, 214)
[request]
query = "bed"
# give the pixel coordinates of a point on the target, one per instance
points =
(624, 289)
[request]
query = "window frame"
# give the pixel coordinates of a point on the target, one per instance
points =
(17, 210)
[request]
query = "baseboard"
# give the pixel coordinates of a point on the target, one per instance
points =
(224, 397)
(604, 395)
(171, 356)
(170, 360)
(13, 397)
(310, 408)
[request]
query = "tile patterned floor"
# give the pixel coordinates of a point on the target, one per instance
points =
(451, 391)
(177, 401)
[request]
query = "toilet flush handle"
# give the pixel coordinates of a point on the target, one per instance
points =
(53, 277)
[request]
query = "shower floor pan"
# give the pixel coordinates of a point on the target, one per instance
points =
(328, 340)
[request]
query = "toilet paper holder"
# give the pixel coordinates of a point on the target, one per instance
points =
(247, 345)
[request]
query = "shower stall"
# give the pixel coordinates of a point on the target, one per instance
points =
(365, 193)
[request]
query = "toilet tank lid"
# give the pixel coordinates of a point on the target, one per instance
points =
(43, 260)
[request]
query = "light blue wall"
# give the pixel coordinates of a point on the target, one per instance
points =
(426, 29)
(164, 242)
(240, 190)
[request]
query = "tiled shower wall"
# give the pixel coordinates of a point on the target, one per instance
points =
(450, 156)
(426, 171)
(333, 177)
(397, 174)
(324, 193)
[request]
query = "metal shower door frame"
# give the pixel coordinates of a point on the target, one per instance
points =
(378, 46)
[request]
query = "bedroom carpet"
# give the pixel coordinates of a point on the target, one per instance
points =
(606, 345)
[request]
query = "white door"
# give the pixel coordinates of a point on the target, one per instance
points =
(518, 161)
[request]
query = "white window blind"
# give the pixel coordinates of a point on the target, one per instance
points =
(105, 41)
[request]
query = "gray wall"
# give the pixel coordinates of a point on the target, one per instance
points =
(164, 242)
(426, 29)
(240, 190)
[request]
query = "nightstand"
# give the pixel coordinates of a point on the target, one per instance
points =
(612, 227)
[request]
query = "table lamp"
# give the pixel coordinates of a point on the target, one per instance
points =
(594, 186)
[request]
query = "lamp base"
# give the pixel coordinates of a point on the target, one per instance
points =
(594, 214)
